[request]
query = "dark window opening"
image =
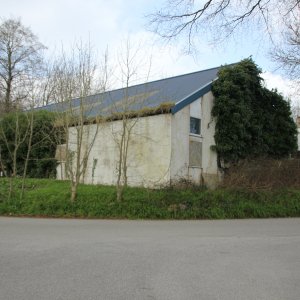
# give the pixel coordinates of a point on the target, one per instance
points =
(195, 125)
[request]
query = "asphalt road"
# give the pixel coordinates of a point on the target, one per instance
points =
(100, 259)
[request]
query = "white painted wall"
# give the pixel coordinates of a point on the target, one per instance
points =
(210, 170)
(60, 171)
(195, 109)
(149, 152)
(180, 144)
(195, 172)
(209, 164)
(181, 138)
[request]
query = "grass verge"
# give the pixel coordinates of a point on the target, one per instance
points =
(50, 198)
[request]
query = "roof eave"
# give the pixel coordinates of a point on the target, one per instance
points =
(192, 97)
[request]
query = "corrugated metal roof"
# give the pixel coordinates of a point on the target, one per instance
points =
(176, 89)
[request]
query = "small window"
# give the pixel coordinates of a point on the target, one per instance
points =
(195, 125)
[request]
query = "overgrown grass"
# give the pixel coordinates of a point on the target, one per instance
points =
(50, 198)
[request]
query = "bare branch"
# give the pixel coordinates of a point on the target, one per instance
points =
(223, 17)
(20, 58)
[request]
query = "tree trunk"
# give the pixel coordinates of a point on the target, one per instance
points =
(10, 191)
(7, 107)
(119, 192)
(74, 191)
(27, 156)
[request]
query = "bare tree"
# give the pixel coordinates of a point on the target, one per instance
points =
(20, 57)
(287, 54)
(46, 84)
(33, 93)
(220, 17)
(75, 77)
(127, 110)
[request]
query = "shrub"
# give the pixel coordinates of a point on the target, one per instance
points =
(264, 173)
(41, 161)
(251, 120)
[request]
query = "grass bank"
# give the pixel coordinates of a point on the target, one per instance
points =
(50, 198)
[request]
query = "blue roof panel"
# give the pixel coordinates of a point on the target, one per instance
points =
(151, 94)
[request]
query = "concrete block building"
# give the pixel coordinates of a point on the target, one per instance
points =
(164, 147)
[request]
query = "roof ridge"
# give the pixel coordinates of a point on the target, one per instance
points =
(157, 80)
(146, 83)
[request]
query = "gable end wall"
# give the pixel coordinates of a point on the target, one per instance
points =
(181, 168)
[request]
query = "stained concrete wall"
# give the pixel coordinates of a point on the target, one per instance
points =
(60, 171)
(195, 145)
(210, 171)
(160, 149)
(149, 152)
(180, 144)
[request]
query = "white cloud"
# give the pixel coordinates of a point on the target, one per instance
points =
(166, 61)
(285, 86)
(66, 20)
(108, 23)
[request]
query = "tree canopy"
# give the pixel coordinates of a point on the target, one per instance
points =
(251, 120)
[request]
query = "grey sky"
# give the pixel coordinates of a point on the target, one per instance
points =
(108, 23)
